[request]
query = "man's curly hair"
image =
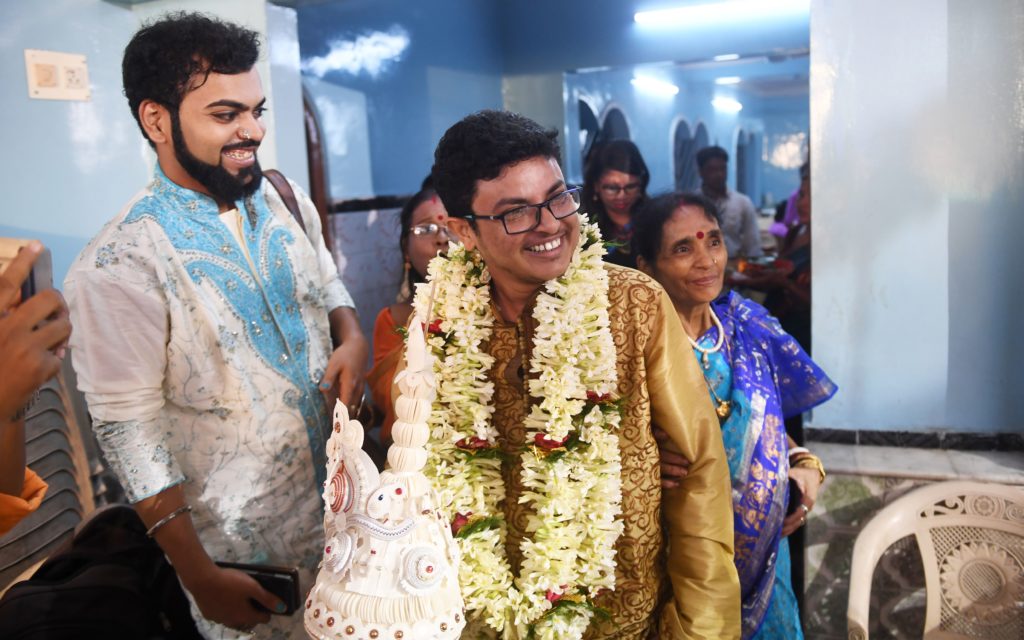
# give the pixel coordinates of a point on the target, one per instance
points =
(164, 56)
(479, 147)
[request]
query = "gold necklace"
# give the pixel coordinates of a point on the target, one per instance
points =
(723, 408)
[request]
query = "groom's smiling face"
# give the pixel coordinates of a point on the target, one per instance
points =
(523, 261)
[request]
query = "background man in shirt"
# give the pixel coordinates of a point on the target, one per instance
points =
(739, 218)
(206, 319)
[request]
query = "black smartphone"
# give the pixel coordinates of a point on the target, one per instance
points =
(283, 582)
(795, 497)
(40, 278)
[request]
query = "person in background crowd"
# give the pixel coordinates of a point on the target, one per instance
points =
(614, 186)
(206, 318)
(739, 218)
(787, 215)
(788, 285)
(33, 335)
(756, 376)
(424, 234)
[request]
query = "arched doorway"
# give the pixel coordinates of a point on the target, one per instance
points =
(682, 156)
(318, 188)
(614, 127)
(743, 162)
(590, 128)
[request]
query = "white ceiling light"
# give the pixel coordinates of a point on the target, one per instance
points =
(728, 80)
(655, 86)
(727, 11)
(726, 57)
(727, 105)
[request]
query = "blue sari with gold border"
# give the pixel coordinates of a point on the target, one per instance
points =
(767, 377)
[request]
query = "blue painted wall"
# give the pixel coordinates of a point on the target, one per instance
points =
(459, 51)
(450, 66)
(67, 166)
(785, 144)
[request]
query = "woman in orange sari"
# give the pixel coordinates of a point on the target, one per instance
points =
(424, 233)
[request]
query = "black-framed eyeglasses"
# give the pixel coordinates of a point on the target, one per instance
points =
(520, 220)
(431, 229)
(615, 189)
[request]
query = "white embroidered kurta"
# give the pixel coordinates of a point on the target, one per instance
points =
(201, 372)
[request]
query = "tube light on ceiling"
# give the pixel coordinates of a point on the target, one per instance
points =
(726, 105)
(655, 86)
(727, 11)
(728, 80)
(726, 57)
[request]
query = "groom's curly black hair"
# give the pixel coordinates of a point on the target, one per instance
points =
(164, 58)
(479, 147)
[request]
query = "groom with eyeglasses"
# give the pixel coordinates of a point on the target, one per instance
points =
(498, 175)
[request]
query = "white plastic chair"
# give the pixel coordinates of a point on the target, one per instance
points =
(971, 538)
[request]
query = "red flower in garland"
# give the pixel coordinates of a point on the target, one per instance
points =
(598, 398)
(472, 443)
(554, 597)
(544, 442)
(435, 327)
(460, 520)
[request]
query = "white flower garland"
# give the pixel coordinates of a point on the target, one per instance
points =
(571, 473)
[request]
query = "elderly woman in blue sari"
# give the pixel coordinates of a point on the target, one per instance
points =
(757, 375)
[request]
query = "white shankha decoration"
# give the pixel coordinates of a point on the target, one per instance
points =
(390, 566)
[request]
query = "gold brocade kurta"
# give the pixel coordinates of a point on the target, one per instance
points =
(683, 587)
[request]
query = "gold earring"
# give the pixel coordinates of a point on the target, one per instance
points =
(405, 291)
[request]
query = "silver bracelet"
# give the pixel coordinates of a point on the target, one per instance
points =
(797, 450)
(170, 516)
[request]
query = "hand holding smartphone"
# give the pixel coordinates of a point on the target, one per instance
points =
(34, 324)
(283, 582)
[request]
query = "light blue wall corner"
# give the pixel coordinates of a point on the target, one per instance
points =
(67, 166)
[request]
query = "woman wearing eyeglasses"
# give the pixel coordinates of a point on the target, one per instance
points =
(614, 187)
(424, 233)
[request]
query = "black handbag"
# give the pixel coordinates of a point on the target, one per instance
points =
(112, 581)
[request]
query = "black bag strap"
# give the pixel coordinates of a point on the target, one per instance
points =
(287, 194)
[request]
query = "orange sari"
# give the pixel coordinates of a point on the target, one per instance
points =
(387, 355)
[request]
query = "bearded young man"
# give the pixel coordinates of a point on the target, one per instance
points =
(205, 318)
(551, 367)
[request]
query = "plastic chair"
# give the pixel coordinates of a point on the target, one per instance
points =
(971, 538)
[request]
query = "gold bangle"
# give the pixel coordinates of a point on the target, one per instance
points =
(164, 520)
(810, 461)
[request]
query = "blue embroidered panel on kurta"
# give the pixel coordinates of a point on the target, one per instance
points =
(267, 303)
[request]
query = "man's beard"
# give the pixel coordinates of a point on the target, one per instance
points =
(218, 181)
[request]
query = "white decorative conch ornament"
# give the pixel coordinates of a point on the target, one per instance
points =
(390, 565)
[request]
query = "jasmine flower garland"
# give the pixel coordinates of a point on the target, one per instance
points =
(571, 468)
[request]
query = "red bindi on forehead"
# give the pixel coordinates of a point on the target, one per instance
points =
(700, 235)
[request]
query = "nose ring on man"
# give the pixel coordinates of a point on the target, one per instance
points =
(245, 134)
